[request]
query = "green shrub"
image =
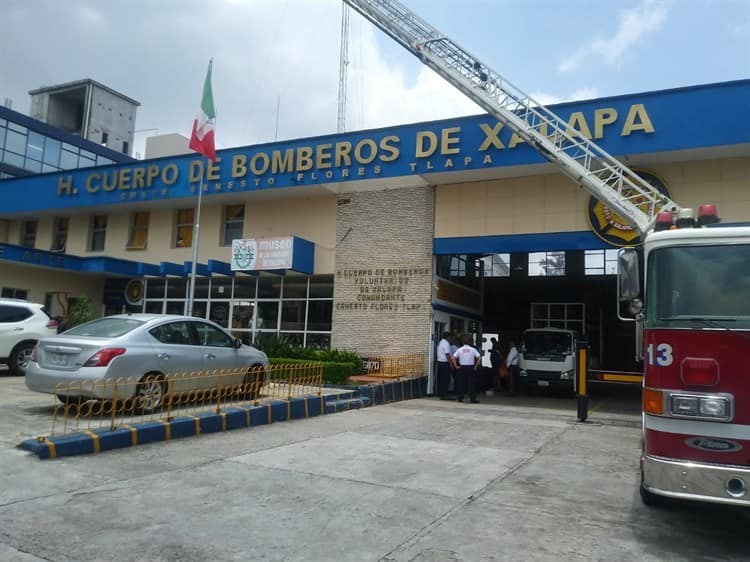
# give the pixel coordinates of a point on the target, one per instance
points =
(278, 346)
(337, 373)
(334, 372)
(274, 345)
(80, 311)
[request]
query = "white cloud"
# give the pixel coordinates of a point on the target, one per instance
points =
(583, 94)
(577, 95)
(90, 16)
(635, 24)
(382, 93)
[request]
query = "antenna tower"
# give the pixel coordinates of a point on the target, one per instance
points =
(343, 66)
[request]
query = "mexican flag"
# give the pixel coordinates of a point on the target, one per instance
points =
(202, 138)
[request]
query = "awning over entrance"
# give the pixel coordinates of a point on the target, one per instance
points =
(548, 241)
(12, 253)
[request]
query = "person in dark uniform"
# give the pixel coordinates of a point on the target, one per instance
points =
(468, 359)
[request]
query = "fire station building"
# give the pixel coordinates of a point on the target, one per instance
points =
(379, 240)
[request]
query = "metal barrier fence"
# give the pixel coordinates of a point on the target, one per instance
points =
(124, 401)
(397, 366)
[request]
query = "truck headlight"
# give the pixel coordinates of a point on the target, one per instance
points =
(566, 375)
(685, 405)
(697, 406)
(714, 407)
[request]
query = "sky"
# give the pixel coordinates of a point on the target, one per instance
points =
(276, 62)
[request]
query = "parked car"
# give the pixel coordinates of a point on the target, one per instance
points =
(146, 349)
(22, 323)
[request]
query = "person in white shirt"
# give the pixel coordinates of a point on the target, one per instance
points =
(444, 365)
(511, 362)
(468, 359)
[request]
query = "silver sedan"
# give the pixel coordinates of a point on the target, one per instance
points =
(145, 352)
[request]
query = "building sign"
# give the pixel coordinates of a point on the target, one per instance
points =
(383, 289)
(254, 254)
(636, 124)
(611, 227)
(134, 292)
(438, 147)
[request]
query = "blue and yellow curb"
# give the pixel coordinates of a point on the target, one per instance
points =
(130, 435)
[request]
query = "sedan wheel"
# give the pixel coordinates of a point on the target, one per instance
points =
(19, 358)
(253, 382)
(150, 393)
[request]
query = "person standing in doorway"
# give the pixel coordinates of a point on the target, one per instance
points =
(494, 354)
(454, 340)
(444, 366)
(468, 359)
(511, 363)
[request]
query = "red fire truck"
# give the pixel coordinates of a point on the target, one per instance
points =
(696, 318)
(696, 327)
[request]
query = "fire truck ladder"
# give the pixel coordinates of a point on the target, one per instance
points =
(593, 169)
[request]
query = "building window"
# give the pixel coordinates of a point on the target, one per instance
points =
(13, 293)
(462, 269)
(86, 159)
(138, 236)
(98, 233)
(457, 266)
(52, 149)
(184, 220)
(35, 146)
(600, 262)
(16, 140)
(496, 265)
(105, 137)
(564, 315)
(69, 157)
(550, 264)
(301, 310)
(28, 233)
(125, 147)
(59, 234)
(234, 220)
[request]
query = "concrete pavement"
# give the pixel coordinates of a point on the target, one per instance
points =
(412, 481)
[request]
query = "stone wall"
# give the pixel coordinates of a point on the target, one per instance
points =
(383, 288)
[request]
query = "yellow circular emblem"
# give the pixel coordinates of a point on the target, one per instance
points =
(611, 227)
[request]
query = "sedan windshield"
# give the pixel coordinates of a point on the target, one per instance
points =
(699, 287)
(105, 327)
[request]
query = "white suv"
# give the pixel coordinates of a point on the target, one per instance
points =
(22, 323)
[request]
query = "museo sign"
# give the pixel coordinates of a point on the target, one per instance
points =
(254, 254)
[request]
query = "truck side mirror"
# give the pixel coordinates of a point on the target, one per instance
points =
(628, 275)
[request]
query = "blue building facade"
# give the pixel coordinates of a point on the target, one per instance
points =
(408, 230)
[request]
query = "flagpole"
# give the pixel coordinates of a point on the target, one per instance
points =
(196, 238)
(198, 140)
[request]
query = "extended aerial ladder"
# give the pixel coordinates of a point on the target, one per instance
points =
(588, 165)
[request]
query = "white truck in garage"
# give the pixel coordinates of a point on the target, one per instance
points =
(546, 359)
